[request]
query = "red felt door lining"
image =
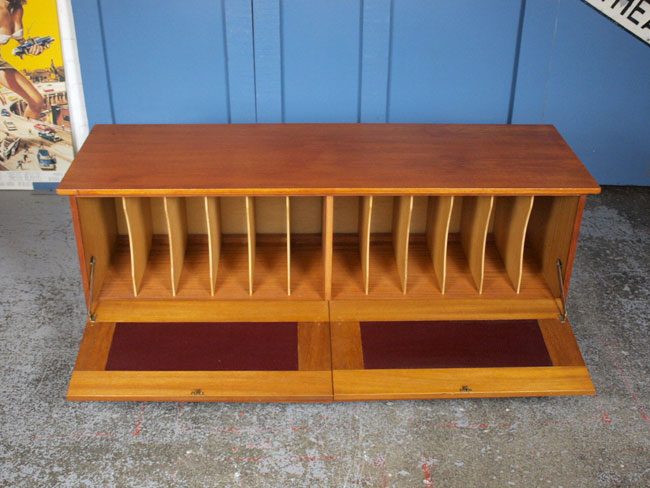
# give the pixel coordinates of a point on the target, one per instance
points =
(453, 344)
(191, 346)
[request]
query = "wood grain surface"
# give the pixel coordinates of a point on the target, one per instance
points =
(438, 219)
(400, 384)
(333, 159)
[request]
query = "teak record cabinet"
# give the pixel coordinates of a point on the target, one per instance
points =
(320, 262)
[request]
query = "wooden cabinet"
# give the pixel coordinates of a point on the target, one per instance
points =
(319, 262)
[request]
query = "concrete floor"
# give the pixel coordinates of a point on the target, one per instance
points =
(566, 442)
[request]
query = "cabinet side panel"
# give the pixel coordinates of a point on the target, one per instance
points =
(550, 235)
(98, 233)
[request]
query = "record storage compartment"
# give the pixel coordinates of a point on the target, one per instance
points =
(340, 292)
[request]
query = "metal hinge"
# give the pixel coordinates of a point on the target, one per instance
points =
(560, 278)
(91, 316)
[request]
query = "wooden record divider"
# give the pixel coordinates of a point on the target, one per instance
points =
(402, 210)
(438, 220)
(251, 241)
(287, 219)
(176, 216)
(327, 234)
(213, 225)
(365, 221)
(137, 211)
(511, 216)
(473, 234)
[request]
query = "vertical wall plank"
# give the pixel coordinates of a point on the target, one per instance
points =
(439, 53)
(375, 45)
(320, 60)
(90, 44)
(268, 61)
(402, 210)
(166, 61)
(238, 17)
(535, 55)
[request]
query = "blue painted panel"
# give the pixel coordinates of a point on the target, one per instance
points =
(537, 42)
(166, 61)
(452, 60)
(268, 60)
(90, 44)
(241, 66)
(320, 50)
(599, 95)
(375, 60)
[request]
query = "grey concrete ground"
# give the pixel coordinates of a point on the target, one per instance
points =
(600, 441)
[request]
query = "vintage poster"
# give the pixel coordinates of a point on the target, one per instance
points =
(35, 137)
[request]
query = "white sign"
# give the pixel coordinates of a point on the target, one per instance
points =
(633, 15)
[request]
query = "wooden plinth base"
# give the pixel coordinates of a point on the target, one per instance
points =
(319, 362)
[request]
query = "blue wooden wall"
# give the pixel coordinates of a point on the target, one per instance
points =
(458, 61)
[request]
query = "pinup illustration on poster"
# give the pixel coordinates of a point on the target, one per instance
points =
(35, 136)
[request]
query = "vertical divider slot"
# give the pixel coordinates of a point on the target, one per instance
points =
(474, 225)
(250, 231)
(438, 220)
(511, 215)
(176, 215)
(402, 210)
(137, 211)
(213, 225)
(288, 230)
(327, 232)
(365, 220)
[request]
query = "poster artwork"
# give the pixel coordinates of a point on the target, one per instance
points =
(35, 136)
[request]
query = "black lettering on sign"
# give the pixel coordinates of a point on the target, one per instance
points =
(635, 10)
(646, 25)
(629, 4)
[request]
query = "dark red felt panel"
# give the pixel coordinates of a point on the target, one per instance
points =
(453, 344)
(191, 346)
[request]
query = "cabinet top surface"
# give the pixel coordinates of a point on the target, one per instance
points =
(318, 159)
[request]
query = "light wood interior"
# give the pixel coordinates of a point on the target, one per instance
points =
(510, 223)
(213, 224)
(365, 221)
(338, 248)
(140, 227)
(473, 234)
(176, 214)
(438, 220)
